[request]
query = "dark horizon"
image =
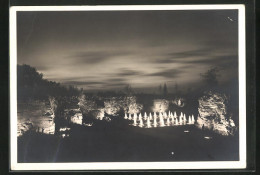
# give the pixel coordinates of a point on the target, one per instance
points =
(31, 73)
(109, 50)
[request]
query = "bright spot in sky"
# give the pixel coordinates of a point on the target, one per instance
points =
(230, 19)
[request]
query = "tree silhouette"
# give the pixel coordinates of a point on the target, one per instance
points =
(211, 76)
(128, 89)
(165, 90)
(31, 85)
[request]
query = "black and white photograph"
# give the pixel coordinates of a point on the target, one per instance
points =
(127, 87)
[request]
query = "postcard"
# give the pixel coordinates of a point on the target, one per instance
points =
(127, 87)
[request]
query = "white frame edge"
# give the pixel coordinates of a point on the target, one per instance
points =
(241, 164)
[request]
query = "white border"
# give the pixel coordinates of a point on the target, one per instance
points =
(128, 165)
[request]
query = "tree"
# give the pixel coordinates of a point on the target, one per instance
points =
(128, 89)
(32, 85)
(165, 91)
(211, 76)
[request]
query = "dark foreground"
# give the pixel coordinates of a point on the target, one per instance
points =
(120, 142)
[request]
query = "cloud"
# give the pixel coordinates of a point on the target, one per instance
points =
(116, 85)
(222, 61)
(105, 82)
(83, 83)
(169, 73)
(42, 67)
(95, 57)
(191, 53)
(179, 57)
(227, 61)
(115, 80)
(129, 72)
(202, 56)
(89, 57)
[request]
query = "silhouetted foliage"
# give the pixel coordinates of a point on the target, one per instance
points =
(128, 89)
(211, 76)
(165, 90)
(32, 85)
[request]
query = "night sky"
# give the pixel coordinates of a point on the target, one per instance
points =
(109, 49)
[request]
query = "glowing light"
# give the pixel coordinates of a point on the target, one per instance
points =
(184, 119)
(161, 120)
(125, 116)
(135, 118)
(148, 123)
(140, 117)
(141, 124)
(155, 121)
(192, 119)
(130, 117)
(145, 116)
(175, 115)
(150, 116)
(168, 122)
(176, 121)
(180, 120)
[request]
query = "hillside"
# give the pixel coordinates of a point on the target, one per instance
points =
(32, 86)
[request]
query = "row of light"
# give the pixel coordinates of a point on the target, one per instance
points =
(174, 119)
(154, 116)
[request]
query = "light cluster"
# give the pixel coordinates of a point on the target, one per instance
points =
(160, 119)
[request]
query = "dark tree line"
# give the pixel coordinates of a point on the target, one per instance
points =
(32, 85)
(163, 90)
